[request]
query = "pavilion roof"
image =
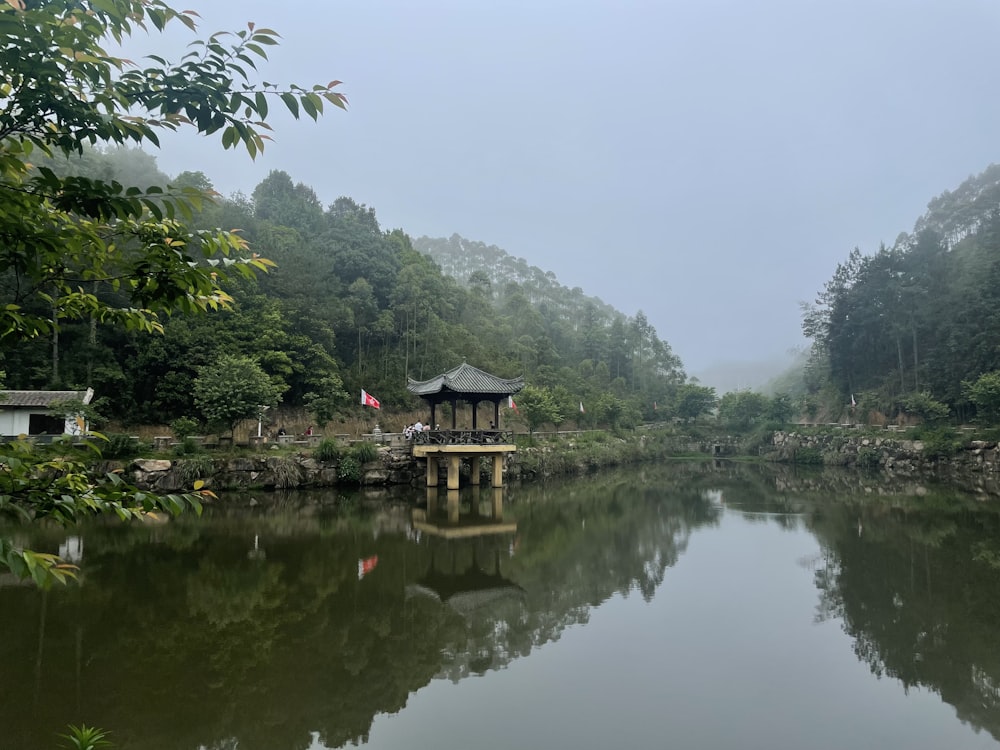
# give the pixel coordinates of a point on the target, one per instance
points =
(466, 379)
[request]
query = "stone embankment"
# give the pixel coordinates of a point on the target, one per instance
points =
(264, 472)
(977, 459)
(899, 455)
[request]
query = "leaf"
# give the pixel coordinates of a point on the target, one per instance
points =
(291, 102)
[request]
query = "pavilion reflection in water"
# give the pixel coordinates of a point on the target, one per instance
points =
(465, 586)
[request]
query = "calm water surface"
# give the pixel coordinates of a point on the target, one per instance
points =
(683, 606)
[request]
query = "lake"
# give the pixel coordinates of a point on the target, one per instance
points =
(685, 605)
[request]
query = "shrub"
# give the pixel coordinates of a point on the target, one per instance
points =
(187, 447)
(365, 452)
(868, 458)
(192, 469)
(349, 470)
(327, 450)
(184, 426)
(121, 446)
(940, 443)
(287, 471)
(808, 456)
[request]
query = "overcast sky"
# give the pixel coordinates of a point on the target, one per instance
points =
(706, 162)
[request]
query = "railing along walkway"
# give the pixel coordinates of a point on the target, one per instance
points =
(463, 437)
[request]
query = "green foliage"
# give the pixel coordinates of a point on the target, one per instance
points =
(85, 738)
(918, 317)
(365, 452)
(77, 410)
(808, 456)
(984, 393)
(538, 406)
(50, 482)
(184, 426)
(82, 250)
(925, 406)
(349, 470)
(868, 458)
(781, 409)
(287, 471)
(692, 400)
(121, 446)
(741, 409)
(190, 470)
(232, 389)
(327, 450)
(939, 442)
(188, 447)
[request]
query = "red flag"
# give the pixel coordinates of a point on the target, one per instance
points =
(366, 565)
(511, 404)
(369, 400)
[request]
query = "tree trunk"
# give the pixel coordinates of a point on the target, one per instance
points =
(55, 346)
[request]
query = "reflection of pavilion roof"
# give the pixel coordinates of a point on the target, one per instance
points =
(468, 591)
(466, 379)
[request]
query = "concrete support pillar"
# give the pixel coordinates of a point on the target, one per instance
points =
(497, 470)
(432, 471)
(454, 466)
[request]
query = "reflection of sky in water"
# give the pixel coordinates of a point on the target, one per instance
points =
(727, 655)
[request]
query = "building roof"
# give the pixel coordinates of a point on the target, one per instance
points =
(466, 379)
(43, 399)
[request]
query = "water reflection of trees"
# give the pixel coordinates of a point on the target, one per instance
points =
(918, 598)
(189, 635)
(255, 630)
(913, 575)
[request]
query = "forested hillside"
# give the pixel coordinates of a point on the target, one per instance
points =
(915, 328)
(351, 306)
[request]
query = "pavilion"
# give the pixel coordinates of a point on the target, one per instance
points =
(473, 386)
(467, 384)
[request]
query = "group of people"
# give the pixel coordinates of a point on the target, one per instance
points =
(412, 429)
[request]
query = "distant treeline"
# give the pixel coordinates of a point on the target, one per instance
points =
(353, 306)
(914, 329)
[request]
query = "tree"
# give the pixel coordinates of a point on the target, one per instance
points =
(232, 389)
(538, 406)
(741, 409)
(780, 409)
(984, 393)
(67, 238)
(925, 406)
(693, 400)
(61, 231)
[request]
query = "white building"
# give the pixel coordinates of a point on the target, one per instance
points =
(41, 413)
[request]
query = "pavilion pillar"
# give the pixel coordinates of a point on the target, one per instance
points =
(432, 471)
(475, 414)
(454, 466)
(497, 470)
(454, 413)
(433, 420)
